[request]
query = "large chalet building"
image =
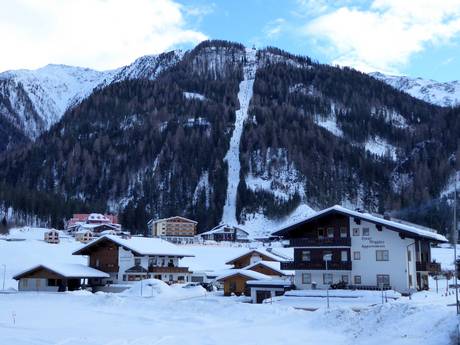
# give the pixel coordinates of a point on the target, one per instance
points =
(133, 259)
(174, 229)
(362, 250)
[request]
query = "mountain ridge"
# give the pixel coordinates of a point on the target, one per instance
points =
(314, 135)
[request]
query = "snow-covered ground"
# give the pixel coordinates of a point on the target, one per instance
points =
(153, 313)
(90, 319)
(233, 155)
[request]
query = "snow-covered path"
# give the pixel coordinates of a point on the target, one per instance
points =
(233, 155)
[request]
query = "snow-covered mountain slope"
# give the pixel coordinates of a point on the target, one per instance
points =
(34, 100)
(233, 154)
(445, 94)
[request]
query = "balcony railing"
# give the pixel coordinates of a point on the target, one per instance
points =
(428, 266)
(306, 265)
(320, 242)
(166, 269)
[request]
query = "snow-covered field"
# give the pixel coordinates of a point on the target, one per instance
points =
(155, 313)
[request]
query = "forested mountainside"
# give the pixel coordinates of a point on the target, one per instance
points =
(315, 134)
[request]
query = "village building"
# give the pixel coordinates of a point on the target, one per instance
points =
(263, 289)
(225, 232)
(51, 236)
(84, 236)
(255, 264)
(174, 229)
(136, 258)
(235, 281)
(254, 255)
(359, 250)
(94, 222)
(56, 277)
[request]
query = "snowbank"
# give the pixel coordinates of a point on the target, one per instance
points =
(158, 289)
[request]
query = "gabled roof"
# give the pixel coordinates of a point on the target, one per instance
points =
(66, 271)
(243, 272)
(170, 218)
(261, 252)
(139, 245)
(272, 265)
(220, 229)
(410, 230)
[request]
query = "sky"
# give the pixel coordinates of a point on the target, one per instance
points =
(419, 38)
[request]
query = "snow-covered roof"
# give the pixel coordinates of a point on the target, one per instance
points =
(274, 265)
(151, 221)
(83, 231)
(98, 216)
(95, 226)
(247, 273)
(272, 282)
(259, 251)
(139, 245)
(66, 270)
(407, 229)
(220, 229)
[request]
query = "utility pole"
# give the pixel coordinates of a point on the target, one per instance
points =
(327, 257)
(455, 241)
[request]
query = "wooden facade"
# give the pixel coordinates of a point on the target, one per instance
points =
(245, 260)
(266, 270)
(104, 256)
(236, 284)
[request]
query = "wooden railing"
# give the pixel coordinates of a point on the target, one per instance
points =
(428, 266)
(306, 265)
(319, 242)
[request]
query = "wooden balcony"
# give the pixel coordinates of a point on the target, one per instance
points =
(161, 269)
(320, 242)
(306, 265)
(108, 268)
(428, 266)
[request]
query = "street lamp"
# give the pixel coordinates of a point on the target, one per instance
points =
(327, 258)
(455, 240)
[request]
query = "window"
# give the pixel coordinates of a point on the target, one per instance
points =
(344, 255)
(306, 278)
(381, 255)
(137, 261)
(357, 279)
(383, 279)
(343, 232)
(356, 255)
(409, 256)
(320, 232)
(355, 231)
(330, 232)
(25, 282)
(327, 278)
(124, 277)
(345, 278)
(365, 231)
(52, 282)
(410, 280)
(306, 255)
(153, 261)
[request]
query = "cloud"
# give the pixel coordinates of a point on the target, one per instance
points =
(274, 28)
(385, 35)
(100, 34)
